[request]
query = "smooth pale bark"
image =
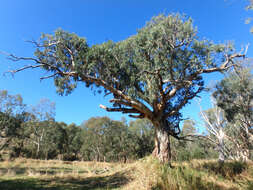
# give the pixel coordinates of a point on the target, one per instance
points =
(221, 147)
(242, 155)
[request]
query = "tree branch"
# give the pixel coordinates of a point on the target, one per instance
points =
(25, 67)
(140, 116)
(185, 101)
(225, 65)
(86, 78)
(123, 110)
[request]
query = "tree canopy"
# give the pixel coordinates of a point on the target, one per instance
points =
(152, 74)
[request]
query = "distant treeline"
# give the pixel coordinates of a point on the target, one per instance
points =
(32, 132)
(100, 139)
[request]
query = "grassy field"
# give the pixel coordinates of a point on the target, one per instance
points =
(28, 174)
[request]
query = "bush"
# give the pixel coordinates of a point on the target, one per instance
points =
(228, 169)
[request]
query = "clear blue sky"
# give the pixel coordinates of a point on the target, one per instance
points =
(100, 20)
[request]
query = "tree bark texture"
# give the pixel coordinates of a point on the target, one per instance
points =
(221, 149)
(162, 149)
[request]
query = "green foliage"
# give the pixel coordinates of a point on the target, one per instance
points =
(35, 134)
(108, 140)
(234, 94)
(74, 142)
(228, 169)
(151, 75)
(11, 104)
(12, 115)
(143, 133)
(141, 72)
(184, 150)
(55, 140)
(60, 56)
(9, 125)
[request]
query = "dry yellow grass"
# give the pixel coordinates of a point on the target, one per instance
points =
(145, 174)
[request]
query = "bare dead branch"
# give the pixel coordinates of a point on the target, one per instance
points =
(24, 68)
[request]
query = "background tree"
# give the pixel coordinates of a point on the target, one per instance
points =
(215, 124)
(143, 134)
(107, 140)
(55, 140)
(33, 133)
(74, 142)
(11, 104)
(234, 94)
(117, 141)
(191, 148)
(152, 74)
(43, 111)
(40, 116)
(12, 115)
(182, 150)
(10, 127)
(226, 136)
(95, 139)
(249, 7)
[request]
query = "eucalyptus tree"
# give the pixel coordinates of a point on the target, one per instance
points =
(95, 140)
(36, 128)
(215, 123)
(228, 137)
(151, 75)
(12, 115)
(118, 142)
(142, 132)
(10, 127)
(11, 104)
(234, 94)
(74, 142)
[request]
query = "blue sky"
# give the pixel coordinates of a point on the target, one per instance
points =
(98, 21)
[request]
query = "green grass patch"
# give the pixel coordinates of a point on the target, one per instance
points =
(204, 175)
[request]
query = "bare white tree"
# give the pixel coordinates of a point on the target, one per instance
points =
(214, 124)
(228, 137)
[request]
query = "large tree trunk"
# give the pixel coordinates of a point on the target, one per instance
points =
(162, 149)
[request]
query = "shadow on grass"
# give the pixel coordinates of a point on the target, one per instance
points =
(228, 170)
(40, 171)
(57, 183)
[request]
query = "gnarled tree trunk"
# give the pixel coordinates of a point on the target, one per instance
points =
(162, 149)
